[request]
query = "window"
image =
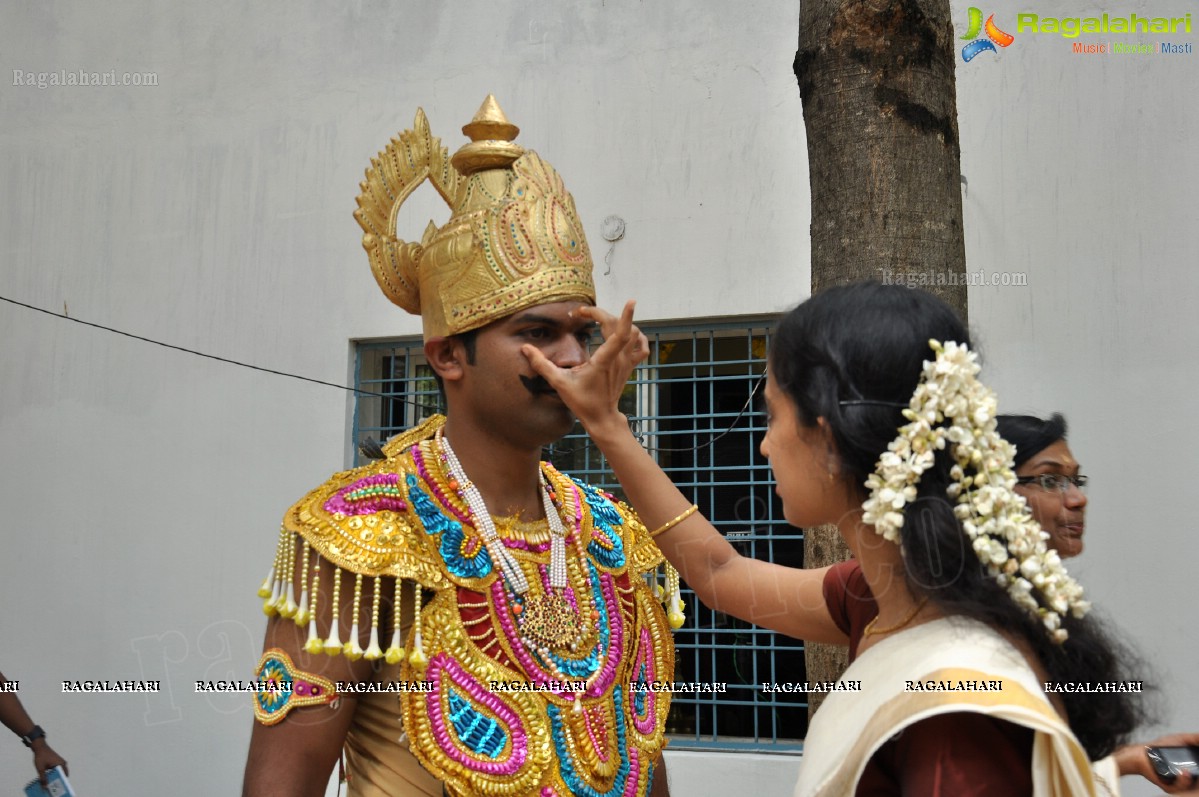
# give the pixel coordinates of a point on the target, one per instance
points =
(693, 405)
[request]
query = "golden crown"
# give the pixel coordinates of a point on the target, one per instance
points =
(513, 239)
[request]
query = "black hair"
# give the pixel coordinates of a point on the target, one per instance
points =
(1030, 434)
(469, 339)
(865, 344)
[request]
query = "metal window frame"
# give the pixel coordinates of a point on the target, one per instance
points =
(764, 722)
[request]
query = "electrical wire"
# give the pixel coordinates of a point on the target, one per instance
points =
(369, 443)
(198, 353)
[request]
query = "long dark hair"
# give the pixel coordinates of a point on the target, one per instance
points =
(865, 344)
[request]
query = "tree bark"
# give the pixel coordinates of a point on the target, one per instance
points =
(876, 78)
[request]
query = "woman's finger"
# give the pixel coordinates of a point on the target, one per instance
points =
(639, 348)
(609, 324)
(618, 335)
(623, 332)
(541, 364)
(606, 320)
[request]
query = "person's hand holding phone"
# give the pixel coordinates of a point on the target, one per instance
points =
(1140, 759)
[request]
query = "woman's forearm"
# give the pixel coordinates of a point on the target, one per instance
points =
(782, 598)
(693, 546)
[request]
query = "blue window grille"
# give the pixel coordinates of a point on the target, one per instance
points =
(694, 404)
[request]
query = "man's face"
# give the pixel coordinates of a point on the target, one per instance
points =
(501, 389)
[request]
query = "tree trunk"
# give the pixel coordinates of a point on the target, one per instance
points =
(876, 78)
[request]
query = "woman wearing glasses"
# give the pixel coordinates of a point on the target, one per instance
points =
(1047, 476)
(961, 589)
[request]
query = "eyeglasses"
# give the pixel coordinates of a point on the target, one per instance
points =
(1055, 482)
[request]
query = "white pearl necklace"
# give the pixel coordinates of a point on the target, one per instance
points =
(500, 554)
(515, 577)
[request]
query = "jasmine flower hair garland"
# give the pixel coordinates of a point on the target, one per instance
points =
(994, 517)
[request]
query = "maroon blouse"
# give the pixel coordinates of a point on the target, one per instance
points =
(963, 754)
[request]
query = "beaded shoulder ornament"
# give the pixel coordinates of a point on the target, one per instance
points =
(562, 615)
(996, 519)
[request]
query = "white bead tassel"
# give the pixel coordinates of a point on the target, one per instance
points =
(314, 644)
(417, 657)
(302, 612)
(333, 643)
(270, 587)
(288, 609)
(395, 651)
(352, 649)
(265, 590)
(675, 598)
(373, 651)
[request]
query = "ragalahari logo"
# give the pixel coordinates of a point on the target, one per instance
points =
(994, 36)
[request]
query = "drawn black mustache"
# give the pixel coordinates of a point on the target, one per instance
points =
(536, 384)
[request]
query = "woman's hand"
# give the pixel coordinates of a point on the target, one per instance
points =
(592, 390)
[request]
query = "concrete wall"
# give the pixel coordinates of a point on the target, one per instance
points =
(1081, 173)
(142, 485)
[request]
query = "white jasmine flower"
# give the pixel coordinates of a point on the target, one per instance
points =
(1003, 534)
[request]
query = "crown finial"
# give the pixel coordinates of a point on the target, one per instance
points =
(490, 144)
(490, 123)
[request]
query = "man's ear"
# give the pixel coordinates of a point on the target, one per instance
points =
(446, 356)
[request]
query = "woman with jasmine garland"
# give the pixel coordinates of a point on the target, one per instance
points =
(1048, 477)
(877, 423)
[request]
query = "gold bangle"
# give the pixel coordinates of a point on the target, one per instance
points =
(670, 524)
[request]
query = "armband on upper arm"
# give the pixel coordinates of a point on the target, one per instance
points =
(281, 686)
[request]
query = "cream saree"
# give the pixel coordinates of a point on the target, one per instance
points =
(948, 665)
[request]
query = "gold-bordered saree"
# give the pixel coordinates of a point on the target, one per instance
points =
(950, 652)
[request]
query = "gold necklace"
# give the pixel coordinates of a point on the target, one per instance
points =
(531, 532)
(870, 629)
(548, 621)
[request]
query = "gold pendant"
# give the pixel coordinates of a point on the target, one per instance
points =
(549, 621)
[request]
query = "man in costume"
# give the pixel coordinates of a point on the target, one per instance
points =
(484, 614)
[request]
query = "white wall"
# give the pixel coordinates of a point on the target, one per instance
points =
(1082, 173)
(142, 486)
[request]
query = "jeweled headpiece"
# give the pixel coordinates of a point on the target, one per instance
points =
(513, 239)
